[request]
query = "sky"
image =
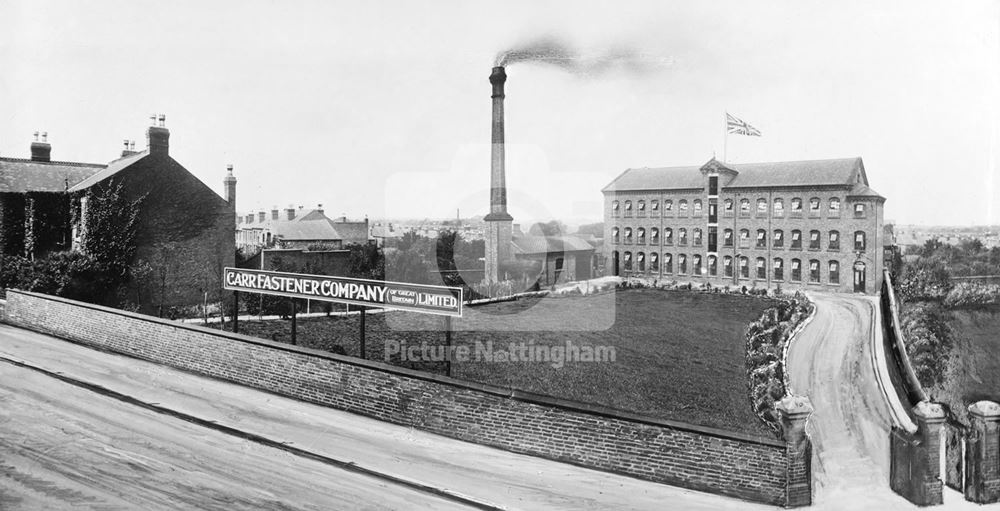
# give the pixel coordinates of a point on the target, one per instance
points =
(383, 108)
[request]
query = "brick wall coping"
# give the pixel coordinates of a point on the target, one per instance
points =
(517, 395)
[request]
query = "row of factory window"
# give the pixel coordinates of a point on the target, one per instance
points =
(628, 236)
(759, 271)
(696, 206)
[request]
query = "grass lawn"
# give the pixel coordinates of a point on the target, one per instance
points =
(973, 373)
(678, 354)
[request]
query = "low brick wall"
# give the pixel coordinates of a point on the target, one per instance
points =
(738, 465)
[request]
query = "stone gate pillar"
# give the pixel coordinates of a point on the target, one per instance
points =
(794, 411)
(926, 462)
(982, 454)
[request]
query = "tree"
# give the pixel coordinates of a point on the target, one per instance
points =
(550, 228)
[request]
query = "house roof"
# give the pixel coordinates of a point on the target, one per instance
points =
(835, 172)
(531, 245)
(21, 175)
(352, 231)
(313, 225)
(111, 169)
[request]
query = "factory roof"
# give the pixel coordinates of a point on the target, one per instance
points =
(531, 245)
(836, 172)
(22, 175)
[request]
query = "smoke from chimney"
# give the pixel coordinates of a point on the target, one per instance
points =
(555, 52)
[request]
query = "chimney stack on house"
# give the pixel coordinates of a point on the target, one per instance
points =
(290, 213)
(319, 207)
(157, 136)
(261, 216)
(230, 184)
(41, 151)
(275, 214)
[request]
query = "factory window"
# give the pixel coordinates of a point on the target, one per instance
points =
(628, 235)
(796, 205)
(654, 262)
(761, 238)
(628, 261)
(696, 265)
(796, 270)
(696, 235)
(744, 268)
(814, 271)
(779, 269)
(727, 207)
(814, 240)
(642, 208)
(859, 211)
(668, 236)
(744, 238)
(744, 207)
(628, 208)
(682, 264)
(654, 206)
(761, 206)
(615, 208)
(640, 259)
(834, 240)
(727, 238)
(796, 240)
(614, 235)
(761, 268)
(668, 263)
(682, 206)
(654, 236)
(814, 204)
(713, 239)
(859, 240)
(640, 236)
(779, 207)
(713, 185)
(668, 205)
(834, 272)
(682, 236)
(696, 205)
(727, 266)
(834, 207)
(779, 239)
(713, 265)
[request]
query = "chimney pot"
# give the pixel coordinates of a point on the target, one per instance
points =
(45, 136)
(36, 136)
(163, 120)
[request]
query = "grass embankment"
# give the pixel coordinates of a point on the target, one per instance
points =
(679, 355)
(973, 369)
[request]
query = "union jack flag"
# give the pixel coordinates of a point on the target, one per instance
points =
(740, 127)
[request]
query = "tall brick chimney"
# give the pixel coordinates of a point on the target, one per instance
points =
(498, 221)
(230, 183)
(41, 151)
(158, 136)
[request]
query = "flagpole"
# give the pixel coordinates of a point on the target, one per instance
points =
(725, 135)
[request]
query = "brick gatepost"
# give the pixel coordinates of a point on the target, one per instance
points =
(982, 453)
(915, 471)
(794, 411)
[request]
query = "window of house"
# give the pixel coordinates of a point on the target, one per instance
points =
(682, 264)
(761, 268)
(682, 206)
(814, 204)
(614, 235)
(797, 239)
(697, 206)
(779, 207)
(654, 236)
(796, 270)
(744, 267)
(640, 235)
(668, 236)
(640, 258)
(834, 240)
(859, 211)
(682, 236)
(727, 238)
(814, 271)
(727, 266)
(696, 265)
(859, 240)
(761, 238)
(668, 263)
(779, 269)
(779, 239)
(713, 265)
(796, 204)
(654, 262)
(834, 272)
(628, 235)
(627, 258)
(814, 240)
(761, 206)
(744, 206)
(668, 205)
(697, 237)
(614, 208)
(835, 206)
(744, 238)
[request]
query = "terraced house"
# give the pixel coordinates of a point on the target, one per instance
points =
(799, 224)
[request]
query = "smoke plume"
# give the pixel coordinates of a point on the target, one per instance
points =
(551, 51)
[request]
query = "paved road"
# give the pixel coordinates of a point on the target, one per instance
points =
(831, 362)
(61, 445)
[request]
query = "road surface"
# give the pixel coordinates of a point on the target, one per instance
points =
(831, 362)
(64, 446)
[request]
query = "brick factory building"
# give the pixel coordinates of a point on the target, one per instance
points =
(184, 228)
(801, 224)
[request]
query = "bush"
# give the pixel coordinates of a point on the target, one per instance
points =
(972, 295)
(928, 340)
